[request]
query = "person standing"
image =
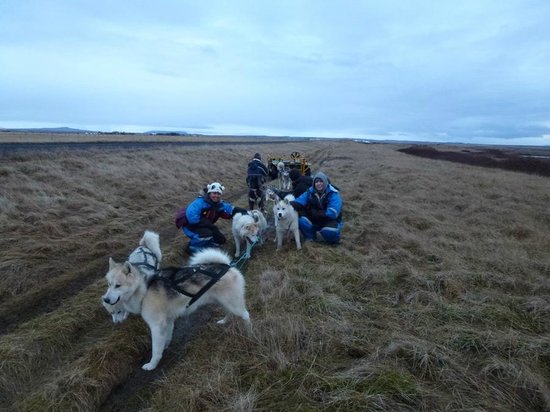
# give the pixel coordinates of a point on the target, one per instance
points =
(255, 179)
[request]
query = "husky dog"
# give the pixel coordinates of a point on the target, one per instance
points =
(159, 302)
(286, 222)
(145, 258)
(280, 170)
(283, 174)
(271, 195)
(261, 221)
(286, 179)
(244, 227)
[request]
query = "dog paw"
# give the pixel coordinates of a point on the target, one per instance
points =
(148, 366)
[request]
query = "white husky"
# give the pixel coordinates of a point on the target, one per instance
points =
(159, 300)
(261, 221)
(146, 259)
(244, 228)
(286, 222)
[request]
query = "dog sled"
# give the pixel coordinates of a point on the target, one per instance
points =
(296, 161)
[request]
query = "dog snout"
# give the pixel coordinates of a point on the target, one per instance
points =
(106, 299)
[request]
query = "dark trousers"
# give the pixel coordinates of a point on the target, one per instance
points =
(253, 195)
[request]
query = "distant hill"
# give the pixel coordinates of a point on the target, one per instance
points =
(166, 133)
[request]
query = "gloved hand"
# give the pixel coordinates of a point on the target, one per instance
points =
(297, 206)
(317, 214)
(239, 210)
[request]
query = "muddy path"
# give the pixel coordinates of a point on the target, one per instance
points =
(133, 394)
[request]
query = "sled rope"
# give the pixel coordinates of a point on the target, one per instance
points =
(241, 260)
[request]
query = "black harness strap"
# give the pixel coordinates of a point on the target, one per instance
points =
(174, 277)
(145, 263)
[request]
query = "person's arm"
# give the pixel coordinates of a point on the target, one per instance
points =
(193, 212)
(228, 210)
(300, 203)
(264, 168)
(334, 207)
(302, 199)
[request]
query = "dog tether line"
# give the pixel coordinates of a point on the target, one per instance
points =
(243, 258)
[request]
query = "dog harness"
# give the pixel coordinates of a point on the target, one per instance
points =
(174, 277)
(145, 262)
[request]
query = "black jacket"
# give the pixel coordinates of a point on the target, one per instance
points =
(256, 174)
(300, 185)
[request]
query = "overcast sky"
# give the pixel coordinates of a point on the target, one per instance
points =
(469, 71)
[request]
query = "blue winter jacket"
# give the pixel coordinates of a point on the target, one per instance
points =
(202, 207)
(329, 202)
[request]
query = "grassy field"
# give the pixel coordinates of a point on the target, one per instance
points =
(438, 297)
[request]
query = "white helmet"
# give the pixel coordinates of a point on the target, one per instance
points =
(216, 188)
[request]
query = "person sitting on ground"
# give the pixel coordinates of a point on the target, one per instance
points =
(202, 214)
(300, 184)
(320, 210)
(255, 179)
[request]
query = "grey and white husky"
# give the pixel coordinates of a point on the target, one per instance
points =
(159, 304)
(146, 259)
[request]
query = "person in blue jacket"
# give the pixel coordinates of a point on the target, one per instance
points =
(320, 210)
(202, 214)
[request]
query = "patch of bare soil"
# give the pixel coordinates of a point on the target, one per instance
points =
(512, 160)
(131, 394)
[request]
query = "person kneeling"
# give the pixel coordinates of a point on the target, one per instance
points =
(201, 216)
(320, 210)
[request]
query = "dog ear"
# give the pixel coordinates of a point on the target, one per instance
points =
(128, 268)
(112, 263)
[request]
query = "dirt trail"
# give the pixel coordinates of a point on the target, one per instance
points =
(135, 391)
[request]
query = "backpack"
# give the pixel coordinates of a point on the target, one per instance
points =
(181, 218)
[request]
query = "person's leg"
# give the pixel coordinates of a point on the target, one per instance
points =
(200, 238)
(251, 199)
(331, 232)
(307, 228)
(217, 236)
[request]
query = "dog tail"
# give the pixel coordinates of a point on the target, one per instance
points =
(151, 241)
(210, 255)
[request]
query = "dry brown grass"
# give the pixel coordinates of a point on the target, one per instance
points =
(437, 299)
